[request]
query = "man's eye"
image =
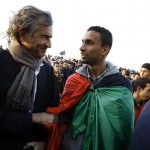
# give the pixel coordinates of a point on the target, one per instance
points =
(44, 37)
(89, 43)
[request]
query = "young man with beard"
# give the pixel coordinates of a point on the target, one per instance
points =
(97, 100)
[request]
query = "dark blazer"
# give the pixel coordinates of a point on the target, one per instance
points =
(16, 128)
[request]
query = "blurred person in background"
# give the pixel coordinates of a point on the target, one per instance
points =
(1, 48)
(141, 94)
(140, 138)
(64, 70)
(60, 81)
(126, 73)
(145, 70)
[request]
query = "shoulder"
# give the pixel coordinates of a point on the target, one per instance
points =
(4, 54)
(6, 57)
(47, 65)
(116, 80)
(47, 69)
(121, 80)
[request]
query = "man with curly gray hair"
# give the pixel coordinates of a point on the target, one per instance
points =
(27, 83)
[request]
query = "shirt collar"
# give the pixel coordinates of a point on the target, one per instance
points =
(98, 78)
(38, 69)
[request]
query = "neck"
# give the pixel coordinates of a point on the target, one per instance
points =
(96, 70)
(136, 99)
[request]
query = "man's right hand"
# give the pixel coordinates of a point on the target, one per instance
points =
(44, 118)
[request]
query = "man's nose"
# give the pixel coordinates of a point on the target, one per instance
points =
(48, 43)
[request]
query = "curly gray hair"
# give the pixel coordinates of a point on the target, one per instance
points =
(28, 18)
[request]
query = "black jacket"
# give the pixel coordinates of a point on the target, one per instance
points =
(16, 128)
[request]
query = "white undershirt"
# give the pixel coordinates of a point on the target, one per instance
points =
(35, 89)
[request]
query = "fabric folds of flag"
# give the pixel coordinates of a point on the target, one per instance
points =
(74, 90)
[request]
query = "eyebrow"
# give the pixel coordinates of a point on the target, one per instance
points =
(87, 40)
(46, 35)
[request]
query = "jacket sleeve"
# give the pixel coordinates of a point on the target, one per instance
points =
(14, 123)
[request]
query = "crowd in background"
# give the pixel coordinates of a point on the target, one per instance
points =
(63, 68)
(72, 65)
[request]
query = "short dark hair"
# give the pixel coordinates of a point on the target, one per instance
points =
(55, 62)
(140, 82)
(127, 72)
(146, 65)
(105, 34)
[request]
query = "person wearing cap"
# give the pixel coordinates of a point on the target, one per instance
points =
(145, 70)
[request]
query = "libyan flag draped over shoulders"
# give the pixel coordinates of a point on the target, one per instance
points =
(63, 52)
(105, 113)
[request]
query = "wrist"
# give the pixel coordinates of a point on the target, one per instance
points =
(56, 118)
(35, 118)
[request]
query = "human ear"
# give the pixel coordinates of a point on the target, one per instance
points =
(106, 50)
(22, 35)
(139, 89)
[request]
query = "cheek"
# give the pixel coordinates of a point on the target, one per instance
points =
(142, 97)
(94, 53)
(148, 93)
(145, 94)
(37, 47)
(35, 42)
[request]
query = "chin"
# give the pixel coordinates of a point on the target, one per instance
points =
(85, 61)
(40, 56)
